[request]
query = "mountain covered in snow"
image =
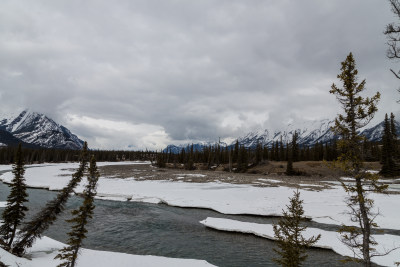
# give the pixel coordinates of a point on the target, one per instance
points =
(175, 149)
(310, 133)
(38, 130)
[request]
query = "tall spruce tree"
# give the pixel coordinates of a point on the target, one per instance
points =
(293, 152)
(394, 139)
(288, 233)
(388, 164)
(358, 111)
(47, 216)
(295, 147)
(15, 210)
(81, 217)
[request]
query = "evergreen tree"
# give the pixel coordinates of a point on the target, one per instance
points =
(288, 233)
(390, 158)
(281, 150)
(46, 217)
(236, 152)
(160, 160)
(81, 216)
(289, 166)
(295, 147)
(394, 138)
(358, 111)
(388, 164)
(259, 153)
(242, 159)
(277, 151)
(15, 210)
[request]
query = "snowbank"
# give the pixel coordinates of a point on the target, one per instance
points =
(326, 206)
(45, 249)
(329, 239)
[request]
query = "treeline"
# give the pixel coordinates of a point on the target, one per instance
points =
(240, 158)
(32, 156)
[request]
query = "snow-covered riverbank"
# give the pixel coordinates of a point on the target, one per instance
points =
(323, 206)
(45, 249)
(329, 239)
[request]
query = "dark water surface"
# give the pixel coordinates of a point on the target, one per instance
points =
(151, 229)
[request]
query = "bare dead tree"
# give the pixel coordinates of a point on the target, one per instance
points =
(392, 32)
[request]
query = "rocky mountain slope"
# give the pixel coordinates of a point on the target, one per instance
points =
(39, 130)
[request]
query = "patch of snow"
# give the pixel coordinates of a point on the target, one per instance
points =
(192, 174)
(3, 204)
(327, 206)
(269, 180)
(45, 249)
(311, 185)
(347, 179)
(329, 239)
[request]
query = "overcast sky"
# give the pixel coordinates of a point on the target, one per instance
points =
(143, 74)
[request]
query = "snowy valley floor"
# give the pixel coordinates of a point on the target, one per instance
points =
(323, 203)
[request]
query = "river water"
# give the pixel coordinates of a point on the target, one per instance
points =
(153, 229)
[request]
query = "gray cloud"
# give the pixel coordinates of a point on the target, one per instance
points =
(173, 71)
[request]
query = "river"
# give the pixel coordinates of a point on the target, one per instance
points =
(154, 229)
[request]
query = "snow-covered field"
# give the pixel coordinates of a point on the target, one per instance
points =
(324, 206)
(44, 250)
(329, 239)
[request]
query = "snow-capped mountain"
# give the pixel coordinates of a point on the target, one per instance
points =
(375, 133)
(40, 130)
(175, 149)
(310, 133)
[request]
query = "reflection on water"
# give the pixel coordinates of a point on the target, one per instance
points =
(141, 228)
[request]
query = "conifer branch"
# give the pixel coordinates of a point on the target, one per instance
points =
(47, 216)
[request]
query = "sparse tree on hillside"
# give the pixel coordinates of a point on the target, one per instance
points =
(81, 217)
(288, 233)
(15, 210)
(358, 111)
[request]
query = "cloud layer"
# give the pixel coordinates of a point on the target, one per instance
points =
(142, 74)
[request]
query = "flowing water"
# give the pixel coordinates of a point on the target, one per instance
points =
(151, 229)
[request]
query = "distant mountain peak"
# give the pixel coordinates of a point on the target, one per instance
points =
(35, 128)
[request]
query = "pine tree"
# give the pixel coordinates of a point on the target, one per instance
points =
(15, 210)
(358, 111)
(388, 164)
(47, 216)
(396, 151)
(288, 233)
(289, 166)
(295, 147)
(236, 152)
(81, 216)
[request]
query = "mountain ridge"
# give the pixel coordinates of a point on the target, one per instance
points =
(38, 130)
(311, 133)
